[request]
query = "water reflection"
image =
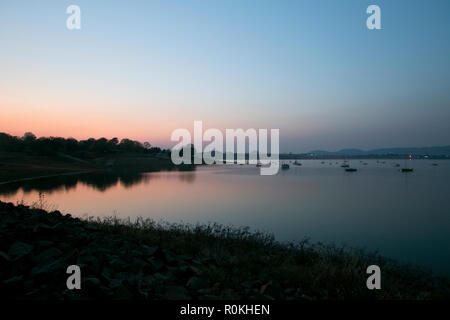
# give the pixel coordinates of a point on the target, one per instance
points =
(98, 180)
(403, 215)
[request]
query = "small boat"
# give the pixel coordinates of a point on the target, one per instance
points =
(284, 166)
(434, 164)
(297, 163)
(346, 165)
(397, 165)
(259, 164)
(405, 168)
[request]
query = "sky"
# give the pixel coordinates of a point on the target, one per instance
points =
(141, 69)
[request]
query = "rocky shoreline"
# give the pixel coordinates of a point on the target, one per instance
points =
(148, 260)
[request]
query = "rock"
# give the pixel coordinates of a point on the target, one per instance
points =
(176, 293)
(274, 289)
(264, 287)
(42, 227)
(90, 261)
(106, 291)
(91, 228)
(169, 256)
(19, 249)
(115, 283)
(149, 251)
(137, 265)
(196, 283)
(46, 255)
(196, 270)
(205, 291)
(13, 280)
(122, 293)
(45, 243)
(5, 256)
(106, 274)
(91, 282)
(48, 267)
(155, 264)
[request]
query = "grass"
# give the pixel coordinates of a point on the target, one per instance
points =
(145, 259)
(256, 261)
(16, 167)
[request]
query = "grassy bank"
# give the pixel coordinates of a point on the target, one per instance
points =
(14, 167)
(148, 260)
(19, 166)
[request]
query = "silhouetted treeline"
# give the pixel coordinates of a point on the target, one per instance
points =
(89, 148)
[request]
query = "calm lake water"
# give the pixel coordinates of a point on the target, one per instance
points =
(405, 216)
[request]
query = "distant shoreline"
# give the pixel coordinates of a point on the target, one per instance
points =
(362, 157)
(46, 176)
(23, 167)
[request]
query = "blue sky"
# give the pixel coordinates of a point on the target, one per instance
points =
(311, 68)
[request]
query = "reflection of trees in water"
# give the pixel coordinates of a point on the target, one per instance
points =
(47, 185)
(100, 180)
(129, 180)
(188, 177)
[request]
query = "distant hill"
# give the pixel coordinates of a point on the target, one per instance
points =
(432, 151)
(350, 152)
(443, 151)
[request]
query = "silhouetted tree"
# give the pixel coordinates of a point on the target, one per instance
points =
(85, 148)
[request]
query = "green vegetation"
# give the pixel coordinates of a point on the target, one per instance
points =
(121, 259)
(29, 157)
